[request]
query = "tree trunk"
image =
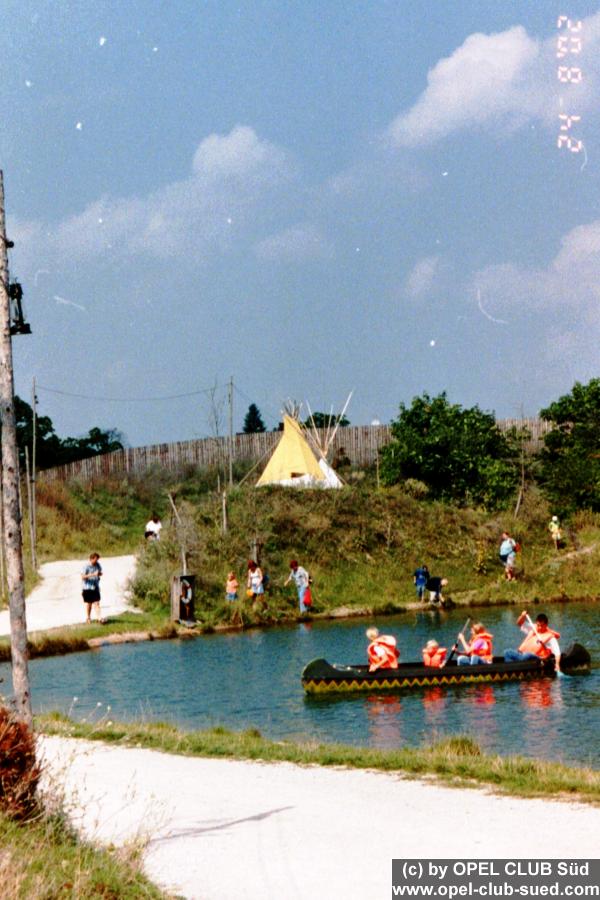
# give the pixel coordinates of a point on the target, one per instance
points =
(10, 495)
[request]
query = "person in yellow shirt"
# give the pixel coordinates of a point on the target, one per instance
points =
(555, 532)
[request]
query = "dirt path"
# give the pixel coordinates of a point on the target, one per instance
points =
(56, 601)
(218, 829)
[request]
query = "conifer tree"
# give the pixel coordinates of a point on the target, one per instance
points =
(253, 422)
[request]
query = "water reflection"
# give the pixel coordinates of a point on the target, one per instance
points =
(383, 717)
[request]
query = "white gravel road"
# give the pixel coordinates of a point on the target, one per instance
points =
(223, 829)
(56, 601)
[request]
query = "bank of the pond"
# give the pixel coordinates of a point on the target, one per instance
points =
(139, 627)
(457, 761)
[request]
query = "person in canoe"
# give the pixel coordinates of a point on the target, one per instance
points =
(479, 648)
(540, 641)
(433, 654)
(382, 651)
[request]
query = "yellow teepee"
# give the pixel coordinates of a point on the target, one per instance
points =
(293, 462)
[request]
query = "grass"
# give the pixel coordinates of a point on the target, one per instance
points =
(44, 859)
(361, 544)
(74, 638)
(457, 761)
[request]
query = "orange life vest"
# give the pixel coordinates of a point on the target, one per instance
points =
(536, 642)
(484, 652)
(382, 653)
(434, 658)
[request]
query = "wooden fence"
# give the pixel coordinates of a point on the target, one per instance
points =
(359, 444)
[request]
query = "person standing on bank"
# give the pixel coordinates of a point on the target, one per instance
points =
(255, 581)
(153, 528)
(555, 532)
(508, 555)
(300, 577)
(420, 578)
(90, 577)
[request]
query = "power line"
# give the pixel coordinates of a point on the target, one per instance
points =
(49, 390)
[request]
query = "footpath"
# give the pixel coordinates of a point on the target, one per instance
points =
(215, 829)
(56, 601)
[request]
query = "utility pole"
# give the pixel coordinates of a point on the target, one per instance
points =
(231, 432)
(10, 487)
(33, 477)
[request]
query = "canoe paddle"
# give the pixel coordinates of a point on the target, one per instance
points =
(455, 647)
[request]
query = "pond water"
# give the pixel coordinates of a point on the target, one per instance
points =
(252, 679)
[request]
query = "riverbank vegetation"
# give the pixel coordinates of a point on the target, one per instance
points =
(127, 626)
(458, 761)
(44, 858)
(361, 545)
(436, 498)
(41, 855)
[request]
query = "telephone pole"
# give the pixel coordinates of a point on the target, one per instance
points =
(33, 476)
(10, 492)
(231, 432)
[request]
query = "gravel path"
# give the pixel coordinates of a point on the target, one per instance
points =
(219, 829)
(56, 601)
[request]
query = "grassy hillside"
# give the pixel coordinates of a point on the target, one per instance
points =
(361, 544)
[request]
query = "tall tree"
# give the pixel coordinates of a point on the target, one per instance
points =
(460, 454)
(253, 422)
(51, 450)
(570, 470)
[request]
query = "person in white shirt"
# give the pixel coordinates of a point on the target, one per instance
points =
(540, 642)
(300, 578)
(153, 528)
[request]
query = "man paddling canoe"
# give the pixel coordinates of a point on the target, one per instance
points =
(540, 641)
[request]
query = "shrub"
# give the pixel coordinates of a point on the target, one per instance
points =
(415, 488)
(19, 771)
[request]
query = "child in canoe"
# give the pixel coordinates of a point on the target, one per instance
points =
(382, 651)
(433, 654)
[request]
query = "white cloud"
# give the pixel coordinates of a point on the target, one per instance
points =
(238, 153)
(508, 78)
(421, 279)
(569, 285)
(231, 176)
(295, 244)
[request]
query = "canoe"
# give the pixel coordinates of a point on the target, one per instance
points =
(320, 676)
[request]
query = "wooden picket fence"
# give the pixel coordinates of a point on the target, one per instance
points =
(359, 444)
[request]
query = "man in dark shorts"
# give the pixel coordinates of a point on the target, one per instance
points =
(90, 578)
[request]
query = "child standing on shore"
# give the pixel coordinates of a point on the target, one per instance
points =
(231, 587)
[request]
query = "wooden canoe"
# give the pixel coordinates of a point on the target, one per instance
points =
(320, 676)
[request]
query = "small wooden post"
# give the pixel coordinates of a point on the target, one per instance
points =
(30, 511)
(180, 535)
(231, 432)
(224, 512)
(33, 473)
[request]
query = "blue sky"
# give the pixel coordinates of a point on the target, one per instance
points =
(310, 197)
